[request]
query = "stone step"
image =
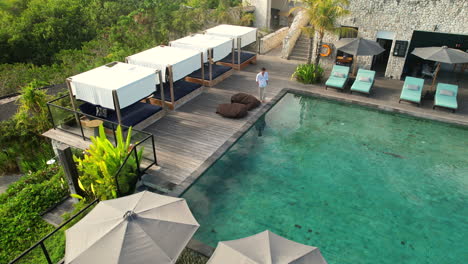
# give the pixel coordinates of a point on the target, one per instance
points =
(54, 216)
(300, 58)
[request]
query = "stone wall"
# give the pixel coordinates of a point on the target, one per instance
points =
(272, 40)
(300, 20)
(401, 17)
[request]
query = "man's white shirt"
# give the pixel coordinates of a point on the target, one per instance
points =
(262, 79)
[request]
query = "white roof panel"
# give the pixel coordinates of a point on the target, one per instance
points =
(248, 35)
(131, 82)
(221, 46)
(183, 61)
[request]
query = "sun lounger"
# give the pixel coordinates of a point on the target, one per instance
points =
(338, 77)
(446, 96)
(412, 90)
(364, 81)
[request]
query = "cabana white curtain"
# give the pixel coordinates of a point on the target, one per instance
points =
(183, 61)
(131, 82)
(248, 35)
(221, 46)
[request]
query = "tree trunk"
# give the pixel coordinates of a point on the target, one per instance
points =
(317, 49)
(309, 50)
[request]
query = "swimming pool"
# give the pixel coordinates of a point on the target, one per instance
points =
(364, 186)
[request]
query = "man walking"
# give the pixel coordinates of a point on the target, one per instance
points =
(262, 82)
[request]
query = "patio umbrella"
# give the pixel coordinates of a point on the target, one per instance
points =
(141, 228)
(265, 248)
(359, 47)
(441, 54)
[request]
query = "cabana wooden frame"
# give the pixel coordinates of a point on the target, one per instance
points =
(150, 120)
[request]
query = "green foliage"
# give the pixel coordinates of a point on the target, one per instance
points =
(189, 256)
(324, 16)
(20, 136)
(21, 224)
(308, 73)
(101, 162)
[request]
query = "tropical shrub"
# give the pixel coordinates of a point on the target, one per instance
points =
(21, 206)
(21, 135)
(100, 163)
(308, 73)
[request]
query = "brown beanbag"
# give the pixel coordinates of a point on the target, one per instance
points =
(249, 100)
(232, 110)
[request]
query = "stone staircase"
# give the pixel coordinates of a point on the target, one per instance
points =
(300, 49)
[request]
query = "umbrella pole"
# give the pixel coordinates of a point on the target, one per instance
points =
(354, 65)
(435, 76)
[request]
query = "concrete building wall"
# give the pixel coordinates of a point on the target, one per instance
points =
(262, 12)
(401, 17)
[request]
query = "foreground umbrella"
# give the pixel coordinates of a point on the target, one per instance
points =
(265, 248)
(140, 228)
(441, 54)
(359, 47)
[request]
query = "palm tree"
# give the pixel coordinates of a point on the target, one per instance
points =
(324, 15)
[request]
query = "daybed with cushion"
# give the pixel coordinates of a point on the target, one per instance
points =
(338, 77)
(446, 96)
(412, 90)
(364, 81)
(246, 58)
(176, 64)
(217, 71)
(136, 115)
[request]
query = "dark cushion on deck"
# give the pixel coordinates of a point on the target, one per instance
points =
(244, 57)
(131, 115)
(246, 99)
(181, 89)
(232, 110)
(217, 70)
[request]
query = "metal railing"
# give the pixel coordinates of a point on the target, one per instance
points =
(42, 243)
(70, 121)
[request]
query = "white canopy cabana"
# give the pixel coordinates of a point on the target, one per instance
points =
(182, 61)
(247, 35)
(177, 61)
(115, 85)
(214, 47)
(242, 36)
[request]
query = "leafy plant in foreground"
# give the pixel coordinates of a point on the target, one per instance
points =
(308, 73)
(101, 162)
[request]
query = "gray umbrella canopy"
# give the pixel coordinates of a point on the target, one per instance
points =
(441, 54)
(359, 46)
(265, 248)
(139, 228)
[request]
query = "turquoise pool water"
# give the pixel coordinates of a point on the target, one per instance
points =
(362, 185)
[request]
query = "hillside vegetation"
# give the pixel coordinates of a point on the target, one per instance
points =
(49, 40)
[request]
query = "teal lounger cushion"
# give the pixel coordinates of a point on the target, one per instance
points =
(446, 95)
(364, 81)
(338, 77)
(412, 89)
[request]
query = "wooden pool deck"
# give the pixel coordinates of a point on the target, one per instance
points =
(189, 139)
